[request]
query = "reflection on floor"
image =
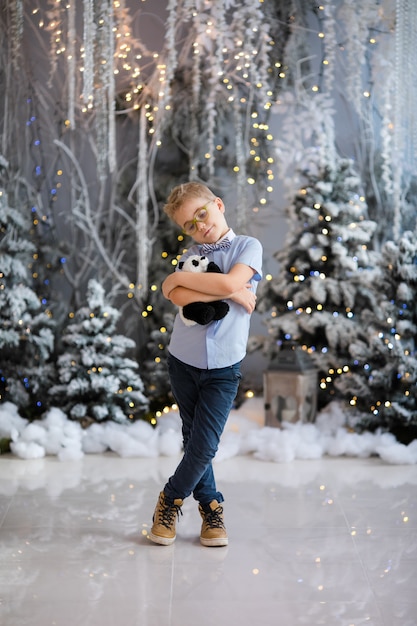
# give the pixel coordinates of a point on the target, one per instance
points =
(332, 541)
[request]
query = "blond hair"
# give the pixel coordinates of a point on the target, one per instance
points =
(181, 193)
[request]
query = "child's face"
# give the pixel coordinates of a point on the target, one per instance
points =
(203, 226)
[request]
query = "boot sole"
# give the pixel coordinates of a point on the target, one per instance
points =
(216, 542)
(162, 541)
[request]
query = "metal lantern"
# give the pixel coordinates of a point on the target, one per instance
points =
(290, 388)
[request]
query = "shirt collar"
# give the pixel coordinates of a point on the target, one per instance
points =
(230, 235)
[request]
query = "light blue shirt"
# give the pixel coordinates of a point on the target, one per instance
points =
(220, 343)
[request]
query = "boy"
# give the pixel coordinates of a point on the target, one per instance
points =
(204, 361)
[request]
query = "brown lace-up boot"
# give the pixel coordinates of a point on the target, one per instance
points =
(164, 520)
(213, 531)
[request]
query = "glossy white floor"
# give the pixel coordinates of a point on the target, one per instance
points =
(332, 542)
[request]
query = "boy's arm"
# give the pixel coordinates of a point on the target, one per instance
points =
(244, 296)
(182, 296)
(211, 284)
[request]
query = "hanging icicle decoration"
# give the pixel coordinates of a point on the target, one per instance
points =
(358, 18)
(88, 50)
(111, 97)
(100, 90)
(241, 206)
(255, 52)
(220, 28)
(330, 46)
(387, 137)
(195, 104)
(215, 72)
(71, 63)
(171, 62)
(412, 86)
(16, 20)
(210, 113)
(405, 98)
(400, 108)
(143, 244)
(101, 131)
(54, 27)
(104, 78)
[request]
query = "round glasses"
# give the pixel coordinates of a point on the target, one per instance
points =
(201, 215)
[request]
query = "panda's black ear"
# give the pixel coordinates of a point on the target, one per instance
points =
(181, 264)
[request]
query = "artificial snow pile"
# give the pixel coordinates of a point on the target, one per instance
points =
(244, 435)
(56, 435)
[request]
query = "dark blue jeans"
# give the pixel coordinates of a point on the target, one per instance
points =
(204, 398)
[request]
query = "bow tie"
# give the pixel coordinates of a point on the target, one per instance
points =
(224, 244)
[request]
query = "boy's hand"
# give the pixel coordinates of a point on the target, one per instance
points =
(245, 297)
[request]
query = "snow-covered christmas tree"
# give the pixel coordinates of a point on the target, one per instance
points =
(382, 385)
(26, 337)
(313, 299)
(96, 380)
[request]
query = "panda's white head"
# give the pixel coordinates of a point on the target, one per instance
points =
(194, 263)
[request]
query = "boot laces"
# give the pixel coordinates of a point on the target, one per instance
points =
(167, 514)
(214, 518)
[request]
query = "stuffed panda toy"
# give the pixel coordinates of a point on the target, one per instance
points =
(201, 312)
